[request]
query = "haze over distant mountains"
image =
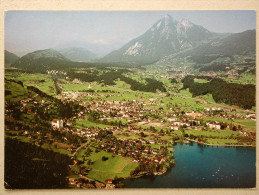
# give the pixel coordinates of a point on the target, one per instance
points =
(9, 58)
(78, 54)
(165, 40)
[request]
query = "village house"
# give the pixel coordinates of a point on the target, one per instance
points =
(72, 181)
(174, 127)
(215, 108)
(57, 123)
(109, 181)
(99, 185)
(69, 123)
(250, 115)
(110, 186)
(172, 119)
(195, 121)
(193, 114)
(214, 125)
(207, 108)
(151, 141)
(176, 123)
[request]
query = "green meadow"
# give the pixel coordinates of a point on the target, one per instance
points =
(248, 123)
(86, 123)
(200, 81)
(221, 141)
(15, 92)
(113, 166)
(42, 81)
(218, 133)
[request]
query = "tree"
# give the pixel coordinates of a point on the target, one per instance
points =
(104, 158)
(142, 134)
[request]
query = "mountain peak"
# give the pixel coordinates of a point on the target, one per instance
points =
(46, 53)
(167, 19)
(186, 23)
(164, 23)
(9, 58)
(78, 54)
(165, 37)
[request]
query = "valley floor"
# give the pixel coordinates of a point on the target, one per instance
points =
(110, 132)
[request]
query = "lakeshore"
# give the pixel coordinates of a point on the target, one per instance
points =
(227, 145)
(199, 166)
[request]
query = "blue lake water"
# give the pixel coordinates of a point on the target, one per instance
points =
(199, 166)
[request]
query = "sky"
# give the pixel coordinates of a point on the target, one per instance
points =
(103, 31)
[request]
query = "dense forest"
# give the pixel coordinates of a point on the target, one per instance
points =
(109, 77)
(229, 93)
(214, 67)
(203, 59)
(63, 110)
(30, 167)
(41, 65)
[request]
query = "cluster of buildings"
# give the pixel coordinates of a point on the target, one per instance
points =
(87, 183)
(136, 149)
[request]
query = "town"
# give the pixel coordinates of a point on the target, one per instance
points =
(94, 126)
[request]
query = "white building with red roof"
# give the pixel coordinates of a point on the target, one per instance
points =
(57, 123)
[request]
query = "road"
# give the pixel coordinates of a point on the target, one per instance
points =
(85, 144)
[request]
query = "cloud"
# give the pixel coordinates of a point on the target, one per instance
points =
(100, 41)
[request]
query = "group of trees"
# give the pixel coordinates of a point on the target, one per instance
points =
(59, 109)
(151, 167)
(11, 80)
(105, 134)
(151, 86)
(40, 122)
(173, 80)
(109, 78)
(145, 168)
(45, 168)
(58, 90)
(214, 67)
(229, 93)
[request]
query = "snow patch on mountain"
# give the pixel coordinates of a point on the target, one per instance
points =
(158, 25)
(165, 37)
(133, 50)
(186, 23)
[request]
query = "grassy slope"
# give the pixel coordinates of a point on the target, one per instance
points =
(114, 166)
(17, 92)
(28, 80)
(246, 123)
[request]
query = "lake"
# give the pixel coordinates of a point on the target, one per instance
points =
(200, 166)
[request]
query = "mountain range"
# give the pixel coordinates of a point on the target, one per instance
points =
(9, 58)
(164, 41)
(165, 37)
(78, 54)
(41, 60)
(235, 44)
